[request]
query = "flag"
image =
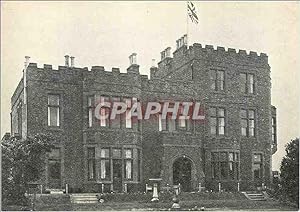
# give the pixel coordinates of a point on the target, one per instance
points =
(192, 12)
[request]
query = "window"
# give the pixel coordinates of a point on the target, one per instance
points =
(128, 120)
(225, 165)
(53, 110)
(90, 110)
(247, 83)
(116, 123)
(247, 122)
(274, 139)
(54, 165)
(217, 121)
(139, 164)
(162, 124)
(91, 163)
(257, 166)
(104, 122)
(128, 163)
(217, 81)
(19, 115)
(104, 164)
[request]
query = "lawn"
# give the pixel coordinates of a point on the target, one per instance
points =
(211, 202)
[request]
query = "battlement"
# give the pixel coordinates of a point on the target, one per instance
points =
(233, 53)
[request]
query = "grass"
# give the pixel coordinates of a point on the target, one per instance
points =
(211, 201)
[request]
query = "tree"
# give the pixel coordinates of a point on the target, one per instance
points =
(290, 172)
(23, 161)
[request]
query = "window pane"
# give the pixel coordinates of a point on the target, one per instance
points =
(223, 156)
(244, 131)
(104, 153)
(231, 170)
(251, 114)
(244, 123)
(53, 100)
(91, 169)
(104, 169)
(221, 130)
(90, 101)
(128, 169)
(251, 123)
(213, 130)
(212, 111)
(181, 123)
(230, 156)
(116, 153)
(221, 75)
(128, 153)
(103, 120)
(251, 78)
(215, 170)
(251, 131)
(171, 125)
(212, 74)
(222, 122)
(213, 85)
(55, 153)
(215, 156)
(90, 117)
(257, 158)
(243, 113)
(53, 116)
(221, 85)
(221, 112)
(223, 170)
(236, 156)
(91, 152)
(128, 119)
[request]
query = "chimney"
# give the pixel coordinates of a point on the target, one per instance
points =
(26, 63)
(72, 61)
(133, 68)
(67, 60)
(153, 69)
(166, 53)
(153, 63)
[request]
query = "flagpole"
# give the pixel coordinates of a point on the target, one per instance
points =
(187, 25)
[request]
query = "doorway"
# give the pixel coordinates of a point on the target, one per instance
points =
(117, 175)
(182, 170)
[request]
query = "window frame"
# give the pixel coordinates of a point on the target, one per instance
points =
(216, 80)
(93, 160)
(247, 119)
(56, 106)
(217, 117)
(245, 87)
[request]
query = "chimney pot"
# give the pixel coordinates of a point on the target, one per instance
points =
(132, 59)
(26, 61)
(67, 60)
(153, 63)
(72, 61)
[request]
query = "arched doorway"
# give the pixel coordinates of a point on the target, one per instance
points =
(182, 171)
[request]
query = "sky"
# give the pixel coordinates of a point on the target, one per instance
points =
(106, 33)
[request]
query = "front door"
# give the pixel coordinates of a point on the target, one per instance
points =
(54, 174)
(117, 175)
(182, 173)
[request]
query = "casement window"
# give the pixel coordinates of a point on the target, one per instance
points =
(247, 122)
(104, 111)
(257, 166)
(128, 119)
(225, 165)
(139, 164)
(247, 83)
(217, 121)
(91, 163)
(19, 116)
(274, 136)
(217, 80)
(116, 123)
(54, 164)
(162, 123)
(128, 162)
(53, 110)
(90, 104)
(104, 164)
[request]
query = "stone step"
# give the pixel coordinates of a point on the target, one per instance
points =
(255, 196)
(83, 198)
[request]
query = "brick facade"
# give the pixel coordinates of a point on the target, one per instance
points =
(185, 77)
